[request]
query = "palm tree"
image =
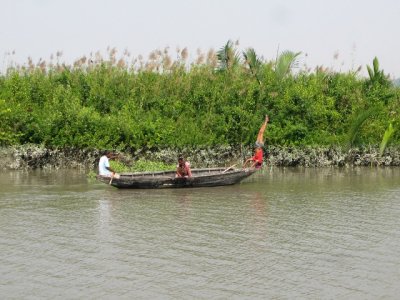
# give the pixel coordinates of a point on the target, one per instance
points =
(253, 62)
(228, 57)
(284, 63)
(379, 99)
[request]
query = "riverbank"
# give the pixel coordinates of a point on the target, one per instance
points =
(38, 157)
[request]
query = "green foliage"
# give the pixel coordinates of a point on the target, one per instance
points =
(254, 63)
(376, 76)
(106, 105)
(141, 166)
(385, 139)
(7, 134)
(358, 122)
(228, 57)
(284, 64)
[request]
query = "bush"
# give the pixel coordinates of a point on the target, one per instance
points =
(107, 105)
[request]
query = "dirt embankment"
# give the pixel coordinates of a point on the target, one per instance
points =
(35, 156)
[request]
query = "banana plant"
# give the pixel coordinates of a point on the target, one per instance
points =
(375, 75)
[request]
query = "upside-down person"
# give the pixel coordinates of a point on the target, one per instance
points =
(256, 161)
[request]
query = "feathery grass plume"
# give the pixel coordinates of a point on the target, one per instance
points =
(141, 66)
(286, 61)
(121, 63)
(42, 66)
(167, 62)
(336, 55)
(358, 123)
(127, 53)
(153, 55)
(58, 57)
(200, 57)
(212, 59)
(77, 64)
(321, 70)
(155, 61)
(112, 53)
(150, 66)
(253, 62)
(166, 50)
(31, 66)
(228, 57)
(184, 54)
(386, 138)
(98, 58)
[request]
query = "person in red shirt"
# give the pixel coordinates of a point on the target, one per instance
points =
(183, 168)
(257, 160)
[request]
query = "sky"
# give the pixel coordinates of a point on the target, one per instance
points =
(338, 34)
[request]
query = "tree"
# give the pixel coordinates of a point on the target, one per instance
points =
(284, 64)
(228, 57)
(254, 63)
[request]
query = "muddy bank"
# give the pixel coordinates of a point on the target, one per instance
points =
(35, 156)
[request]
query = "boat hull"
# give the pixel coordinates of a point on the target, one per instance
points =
(200, 178)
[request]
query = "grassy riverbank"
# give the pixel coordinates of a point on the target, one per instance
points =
(218, 99)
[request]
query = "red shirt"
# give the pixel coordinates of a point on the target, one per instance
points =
(258, 157)
(184, 170)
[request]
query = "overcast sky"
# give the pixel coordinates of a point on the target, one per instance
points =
(355, 31)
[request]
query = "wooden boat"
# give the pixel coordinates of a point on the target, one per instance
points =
(166, 179)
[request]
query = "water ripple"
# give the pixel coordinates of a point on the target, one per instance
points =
(283, 234)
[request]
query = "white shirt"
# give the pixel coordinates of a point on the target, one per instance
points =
(103, 165)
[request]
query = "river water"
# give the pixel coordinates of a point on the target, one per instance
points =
(281, 234)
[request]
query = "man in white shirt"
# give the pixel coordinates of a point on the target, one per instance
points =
(104, 165)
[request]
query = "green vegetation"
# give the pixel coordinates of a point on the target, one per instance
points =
(219, 98)
(141, 166)
(138, 166)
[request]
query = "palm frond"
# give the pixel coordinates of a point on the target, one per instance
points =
(375, 63)
(358, 122)
(285, 62)
(253, 62)
(228, 57)
(370, 73)
(386, 138)
(377, 76)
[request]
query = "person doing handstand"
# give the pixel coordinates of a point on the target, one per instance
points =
(256, 161)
